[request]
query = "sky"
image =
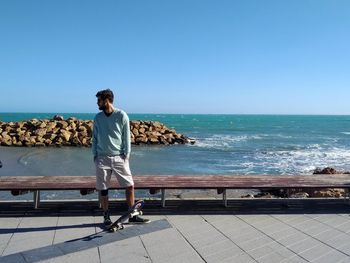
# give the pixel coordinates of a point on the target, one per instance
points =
(183, 56)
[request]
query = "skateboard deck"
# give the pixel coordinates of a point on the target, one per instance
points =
(133, 211)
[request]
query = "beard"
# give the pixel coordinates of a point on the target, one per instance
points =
(102, 107)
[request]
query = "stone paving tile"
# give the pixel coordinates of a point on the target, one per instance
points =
(271, 229)
(332, 220)
(15, 258)
(292, 239)
(185, 258)
(167, 244)
(315, 230)
(284, 251)
(32, 233)
(43, 253)
(273, 257)
(230, 256)
(128, 250)
(69, 228)
(345, 227)
(304, 245)
(347, 260)
(338, 241)
(89, 255)
(255, 243)
(315, 252)
(327, 235)
(255, 218)
(262, 251)
(8, 226)
(212, 245)
(295, 259)
(345, 248)
(251, 234)
(333, 256)
(9, 223)
(275, 230)
(238, 231)
(283, 233)
(205, 240)
(293, 220)
(217, 247)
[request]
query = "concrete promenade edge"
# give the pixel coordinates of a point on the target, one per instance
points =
(184, 231)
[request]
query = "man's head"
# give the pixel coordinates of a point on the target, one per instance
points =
(104, 98)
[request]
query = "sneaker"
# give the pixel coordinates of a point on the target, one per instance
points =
(107, 220)
(138, 220)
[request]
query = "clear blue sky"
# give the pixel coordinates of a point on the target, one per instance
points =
(183, 56)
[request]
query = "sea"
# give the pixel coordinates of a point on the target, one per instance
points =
(234, 145)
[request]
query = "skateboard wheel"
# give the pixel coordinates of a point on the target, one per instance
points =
(113, 229)
(141, 213)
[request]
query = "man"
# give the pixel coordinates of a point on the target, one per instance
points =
(111, 150)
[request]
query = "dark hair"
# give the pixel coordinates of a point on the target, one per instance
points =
(105, 94)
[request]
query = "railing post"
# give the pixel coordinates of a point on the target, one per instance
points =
(163, 197)
(224, 197)
(36, 197)
(99, 199)
(347, 195)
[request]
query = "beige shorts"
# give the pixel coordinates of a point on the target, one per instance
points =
(106, 166)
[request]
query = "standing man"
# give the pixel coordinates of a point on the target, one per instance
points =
(111, 150)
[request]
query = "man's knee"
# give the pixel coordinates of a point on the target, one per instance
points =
(130, 188)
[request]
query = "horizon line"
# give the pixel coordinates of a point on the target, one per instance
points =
(148, 113)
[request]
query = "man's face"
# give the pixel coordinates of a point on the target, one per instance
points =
(102, 104)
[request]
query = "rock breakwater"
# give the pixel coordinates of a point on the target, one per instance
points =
(74, 132)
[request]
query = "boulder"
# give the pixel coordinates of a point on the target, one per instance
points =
(65, 134)
(62, 124)
(58, 118)
(141, 139)
(51, 125)
(153, 139)
(135, 131)
(299, 195)
(42, 125)
(330, 192)
(40, 132)
(6, 140)
(327, 170)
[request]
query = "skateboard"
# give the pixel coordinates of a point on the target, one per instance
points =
(133, 211)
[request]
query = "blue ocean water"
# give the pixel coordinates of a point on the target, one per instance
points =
(226, 144)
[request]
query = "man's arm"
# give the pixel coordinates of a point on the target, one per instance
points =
(126, 136)
(94, 139)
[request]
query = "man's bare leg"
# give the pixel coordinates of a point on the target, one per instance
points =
(104, 203)
(130, 196)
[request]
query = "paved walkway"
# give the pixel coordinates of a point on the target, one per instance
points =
(212, 237)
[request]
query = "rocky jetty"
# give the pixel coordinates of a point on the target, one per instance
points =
(308, 192)
(74, 132)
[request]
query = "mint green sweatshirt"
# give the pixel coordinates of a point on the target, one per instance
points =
(111, 135)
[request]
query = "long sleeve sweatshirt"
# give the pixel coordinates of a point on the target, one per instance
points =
(111, 134)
